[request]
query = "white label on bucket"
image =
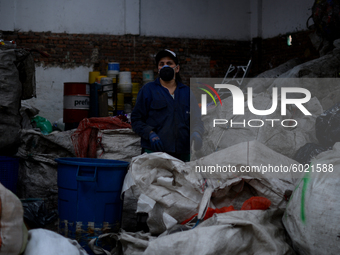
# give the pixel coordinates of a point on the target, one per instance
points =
(76, 102)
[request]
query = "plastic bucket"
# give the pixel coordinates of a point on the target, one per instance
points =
(93, 76)
(99, 78)
(120, 102)
(135, 87)
(113, 66)
(125, 88)
(112, 73)
(76, 101)
(148, 75)
(113, 69)
(9, 170)
(107, 81)
(125, 78)
(89, 200)
(134, 98)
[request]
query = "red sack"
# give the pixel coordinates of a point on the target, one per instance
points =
(84, 139)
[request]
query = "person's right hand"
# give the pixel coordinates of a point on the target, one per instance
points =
(156, 143)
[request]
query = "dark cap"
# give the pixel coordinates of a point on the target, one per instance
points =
(166, 53)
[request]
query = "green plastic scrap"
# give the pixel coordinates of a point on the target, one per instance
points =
(42, 123)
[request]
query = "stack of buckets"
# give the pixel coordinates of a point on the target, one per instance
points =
(113, 69)
(127, 91)
(112, 72)
(125, 87)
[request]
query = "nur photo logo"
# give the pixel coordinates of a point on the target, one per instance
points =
(239, 103)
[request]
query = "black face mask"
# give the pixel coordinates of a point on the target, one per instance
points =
(167, 73)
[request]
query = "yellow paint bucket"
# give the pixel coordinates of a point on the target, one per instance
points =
(93, 76)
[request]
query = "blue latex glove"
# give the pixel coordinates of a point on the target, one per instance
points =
(156, 143)
(197, 140)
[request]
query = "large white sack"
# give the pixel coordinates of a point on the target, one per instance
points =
(43, 242)
(237, 232)
(13, 233)
(160, 177)
(273, 185)
(265, 79)
(326, 90)
(325, 66)
(312, 215)
(127, 243)
(285, 140)
(118, 144)
(317, 76)
(121, 144)
(170, 191)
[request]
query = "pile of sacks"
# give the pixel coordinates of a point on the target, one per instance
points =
(188, 203)
(171, 192)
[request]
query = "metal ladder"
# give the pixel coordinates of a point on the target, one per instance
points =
(237, 77)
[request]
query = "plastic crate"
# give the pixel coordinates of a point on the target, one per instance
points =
(9, 170)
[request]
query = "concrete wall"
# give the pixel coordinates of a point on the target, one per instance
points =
(281, 17)
(71, 16)
(213, 19)
(50, 89)
(191, 19)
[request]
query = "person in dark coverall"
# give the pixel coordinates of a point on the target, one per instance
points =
(161, 116)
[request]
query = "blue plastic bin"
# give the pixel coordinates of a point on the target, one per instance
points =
(89, 200)
(9, 170)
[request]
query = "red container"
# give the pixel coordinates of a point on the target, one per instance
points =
(76, 101)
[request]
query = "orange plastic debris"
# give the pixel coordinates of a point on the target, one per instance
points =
(253, 203)
(256, 203)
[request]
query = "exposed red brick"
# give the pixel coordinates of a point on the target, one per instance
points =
(197, 57)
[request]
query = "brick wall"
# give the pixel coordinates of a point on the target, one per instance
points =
(198, 57)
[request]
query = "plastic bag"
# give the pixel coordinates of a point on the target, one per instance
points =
(309, 151)
(256, 203)
(43, 241)
(36, 215)
(327, 126)
(44, 125)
